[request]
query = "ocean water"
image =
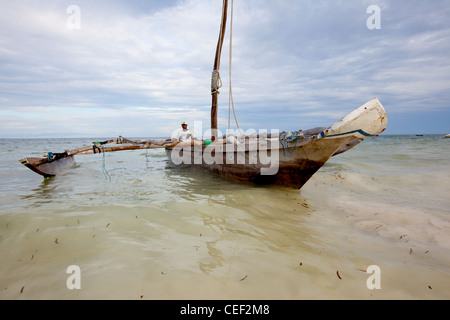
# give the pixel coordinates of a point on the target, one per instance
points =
(136, 227)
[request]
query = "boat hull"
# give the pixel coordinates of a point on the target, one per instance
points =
(287, 159)
(289, 168)
(293, 160)
(46, 168)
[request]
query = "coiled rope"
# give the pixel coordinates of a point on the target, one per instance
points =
(216, 82)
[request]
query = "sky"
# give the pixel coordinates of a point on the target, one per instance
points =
(138, 68)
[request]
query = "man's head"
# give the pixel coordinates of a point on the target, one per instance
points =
(184, 125)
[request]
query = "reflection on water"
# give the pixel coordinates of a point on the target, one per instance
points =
(45, 191)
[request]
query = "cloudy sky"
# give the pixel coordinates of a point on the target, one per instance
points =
(137, 68)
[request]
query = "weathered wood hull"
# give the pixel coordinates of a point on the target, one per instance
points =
(290, 166)
(288, 159)
(46, 168)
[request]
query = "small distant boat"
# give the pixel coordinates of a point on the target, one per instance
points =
(448, 136)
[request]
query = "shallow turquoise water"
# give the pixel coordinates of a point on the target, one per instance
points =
(140, 228)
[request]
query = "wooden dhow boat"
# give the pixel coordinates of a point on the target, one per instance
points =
(282, 158)
(286, 158)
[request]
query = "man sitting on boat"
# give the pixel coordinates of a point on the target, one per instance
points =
(185, 134)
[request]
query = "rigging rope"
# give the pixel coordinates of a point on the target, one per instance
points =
(216, 81)
(105, 173)
(230, 96)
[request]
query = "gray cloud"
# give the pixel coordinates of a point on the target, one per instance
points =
(142, 67)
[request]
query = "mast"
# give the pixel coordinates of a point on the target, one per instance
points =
(215, 80)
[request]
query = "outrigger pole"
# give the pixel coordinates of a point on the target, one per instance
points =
(51, 163)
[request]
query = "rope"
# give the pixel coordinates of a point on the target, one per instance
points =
(105, 173)
(216, 82)
(230, 96)
(293, 137)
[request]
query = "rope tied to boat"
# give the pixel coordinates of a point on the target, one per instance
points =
(289, 137)
(105, 172)
(51, 156)
(216, 82)
(230, 95)
(96, 149)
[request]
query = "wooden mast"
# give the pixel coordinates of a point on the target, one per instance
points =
(215, 76)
